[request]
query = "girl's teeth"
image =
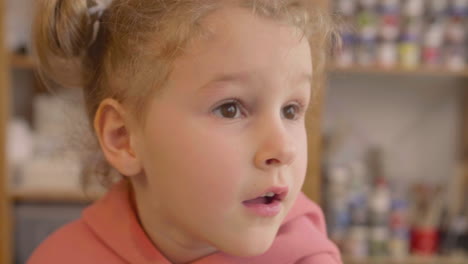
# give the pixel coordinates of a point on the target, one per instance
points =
(269, 194)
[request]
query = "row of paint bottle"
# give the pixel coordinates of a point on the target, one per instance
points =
(365, 216)
(409, 33)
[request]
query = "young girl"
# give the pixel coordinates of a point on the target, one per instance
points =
(199, 105)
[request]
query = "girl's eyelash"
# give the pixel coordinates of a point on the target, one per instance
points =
(236, 101)
(230, 101)
(299, 103)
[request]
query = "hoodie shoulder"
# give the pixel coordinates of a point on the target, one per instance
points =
(73, 244)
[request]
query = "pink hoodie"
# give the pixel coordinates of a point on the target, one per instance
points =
(109, 232)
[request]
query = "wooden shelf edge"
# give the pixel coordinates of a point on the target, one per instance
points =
(373, 69)
(21, 61)
(52, 196)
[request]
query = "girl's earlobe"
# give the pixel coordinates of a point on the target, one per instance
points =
(114, 136)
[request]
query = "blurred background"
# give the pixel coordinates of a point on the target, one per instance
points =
(394, 124)
(395, 179)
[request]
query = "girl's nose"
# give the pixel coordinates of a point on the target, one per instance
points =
(276, 148)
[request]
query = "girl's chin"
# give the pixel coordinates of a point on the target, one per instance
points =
(249, 247)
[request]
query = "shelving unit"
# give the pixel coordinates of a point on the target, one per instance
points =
(463, 146)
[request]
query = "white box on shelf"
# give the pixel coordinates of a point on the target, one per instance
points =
(61, 173)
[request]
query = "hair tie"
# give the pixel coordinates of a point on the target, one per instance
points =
(96, 9)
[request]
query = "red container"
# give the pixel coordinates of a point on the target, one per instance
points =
(424, 241)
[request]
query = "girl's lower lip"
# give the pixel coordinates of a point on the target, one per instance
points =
(265, 210)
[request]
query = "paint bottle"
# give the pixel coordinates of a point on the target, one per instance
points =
(379, 212)
(399, 229)
(432, 44)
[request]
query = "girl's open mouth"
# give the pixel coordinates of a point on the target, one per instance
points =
(268, 198)
(269, 204)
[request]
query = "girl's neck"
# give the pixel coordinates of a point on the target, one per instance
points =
(173, 243)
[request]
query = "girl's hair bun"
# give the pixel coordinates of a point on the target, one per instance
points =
(62, 34)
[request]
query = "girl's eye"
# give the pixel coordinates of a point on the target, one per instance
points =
(291, 111)
(228, 110)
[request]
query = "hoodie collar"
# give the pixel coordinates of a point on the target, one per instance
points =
(114, 221)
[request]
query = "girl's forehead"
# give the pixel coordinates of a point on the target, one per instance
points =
(241, 47)
(237, 36)
(232, 23)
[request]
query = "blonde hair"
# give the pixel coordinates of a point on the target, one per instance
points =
(130, 58)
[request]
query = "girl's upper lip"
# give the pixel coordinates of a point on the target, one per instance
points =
(280, 192)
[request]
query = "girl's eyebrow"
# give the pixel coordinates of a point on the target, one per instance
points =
(238, 77)
(248, 77)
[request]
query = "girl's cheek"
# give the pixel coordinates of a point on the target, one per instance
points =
(303, 159)
(221, 162)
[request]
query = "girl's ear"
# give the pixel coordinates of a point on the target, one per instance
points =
(113, 132)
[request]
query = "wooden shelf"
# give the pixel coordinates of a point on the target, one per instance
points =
(21, 61)
(409, 260)
(52, 196)
(397, 71)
